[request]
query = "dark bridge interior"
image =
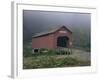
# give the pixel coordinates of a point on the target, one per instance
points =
(62, 41)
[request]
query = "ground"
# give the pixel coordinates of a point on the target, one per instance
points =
(50, 60)
(80, 54)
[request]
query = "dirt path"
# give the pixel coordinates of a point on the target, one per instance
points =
(78, 54)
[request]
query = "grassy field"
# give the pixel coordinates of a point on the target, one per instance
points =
(52, 60)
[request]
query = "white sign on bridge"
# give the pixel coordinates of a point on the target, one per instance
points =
(62, 31)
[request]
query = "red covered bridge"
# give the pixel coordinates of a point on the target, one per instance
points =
(52, 39)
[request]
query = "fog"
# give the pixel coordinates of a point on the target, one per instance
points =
(38, 21)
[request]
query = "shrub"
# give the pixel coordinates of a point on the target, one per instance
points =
(27, 52)
(52, 61)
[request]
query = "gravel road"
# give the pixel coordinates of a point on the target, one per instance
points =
(80, 54)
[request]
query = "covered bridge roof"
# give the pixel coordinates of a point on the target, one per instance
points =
(50, 31)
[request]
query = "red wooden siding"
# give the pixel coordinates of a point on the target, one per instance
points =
(43, 42)
(50, 41)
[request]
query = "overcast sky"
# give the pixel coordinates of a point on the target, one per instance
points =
(37, 21)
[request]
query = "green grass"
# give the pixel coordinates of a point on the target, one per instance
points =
(45, 61)
(51, 59)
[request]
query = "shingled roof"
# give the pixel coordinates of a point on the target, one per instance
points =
(54, 29)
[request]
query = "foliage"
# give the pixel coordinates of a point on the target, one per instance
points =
(27, 50)
(51, 62)
(47, 58)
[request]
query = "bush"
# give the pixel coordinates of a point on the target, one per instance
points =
(51, 62)
(27, 52)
